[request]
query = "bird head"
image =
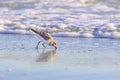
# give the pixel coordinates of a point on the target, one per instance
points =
(53, 43)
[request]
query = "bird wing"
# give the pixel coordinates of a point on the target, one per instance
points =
(44, 35)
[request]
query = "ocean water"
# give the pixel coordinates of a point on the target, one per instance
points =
(64, 18)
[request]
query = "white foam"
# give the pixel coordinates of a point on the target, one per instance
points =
(86, 1)
(113, 16)
(2, 27)
(111, 27)
(106, 35)
(104, 8)
(87, 35)
(62, 26)
(115, 35)
(88, 16)
(67, 34)
(5, 21)
(66, 18)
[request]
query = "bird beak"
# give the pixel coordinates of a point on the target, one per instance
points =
(55, 47)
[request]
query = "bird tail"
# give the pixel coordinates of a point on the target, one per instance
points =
(34, 30)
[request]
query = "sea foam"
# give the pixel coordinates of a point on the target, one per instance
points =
(65, 18)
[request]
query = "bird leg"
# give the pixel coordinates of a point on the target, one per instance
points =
(38, 44)
(55, 47)
(43, 45)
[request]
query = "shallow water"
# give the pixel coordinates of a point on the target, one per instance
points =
(71, 52)
(75, 58)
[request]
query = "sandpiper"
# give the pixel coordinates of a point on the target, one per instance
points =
(45, 38)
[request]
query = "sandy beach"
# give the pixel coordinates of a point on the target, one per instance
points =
(75, 58)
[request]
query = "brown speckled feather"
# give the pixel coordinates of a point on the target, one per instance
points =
(46, 36)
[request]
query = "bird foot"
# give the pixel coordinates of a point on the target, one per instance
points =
(43, 45)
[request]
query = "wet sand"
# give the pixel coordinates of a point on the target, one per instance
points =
(75, 58)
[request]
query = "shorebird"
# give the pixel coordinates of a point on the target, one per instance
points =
(45, 38)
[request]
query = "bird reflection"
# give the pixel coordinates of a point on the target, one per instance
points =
(46, 56)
